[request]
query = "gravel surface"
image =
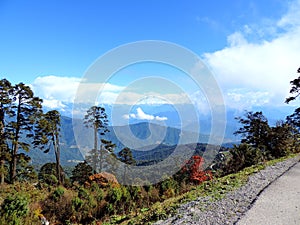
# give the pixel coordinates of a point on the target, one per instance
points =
(279, 203)
(234, 205)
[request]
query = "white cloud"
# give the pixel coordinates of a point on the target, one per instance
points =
(54, 87)
(141, 115)
(259, 69)
(57, 92)
(159, 118)
(54, 104)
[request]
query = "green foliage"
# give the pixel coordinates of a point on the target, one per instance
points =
(58, 193)
(107, 157)
(283, 139)
(47, 135)
(14, 209)
(27, 111)
(47, 174)
(125, 156)
(83, 193)
(169, 187)
(96, 118)
(254, 130)
(25, 171)
(81, 172)
(295, 89)
(77, 203)
(115, 194)
(242, 156)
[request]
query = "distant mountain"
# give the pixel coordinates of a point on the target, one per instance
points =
(116, 115)
(76, 140)
(143, 136)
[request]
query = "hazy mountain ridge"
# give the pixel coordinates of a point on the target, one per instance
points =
(164, 136)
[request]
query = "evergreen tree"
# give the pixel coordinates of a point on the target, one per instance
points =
(125, 156)
(27, 110)
(5, 110)
(283, 139)
(106, 151)
(295, 89)
(47, 135)
(96, 118)
(47, 173)
(81, 172)
(25, 171)
(254, 130)
(242, 156)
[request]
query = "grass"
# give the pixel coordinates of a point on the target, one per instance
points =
(215, 189)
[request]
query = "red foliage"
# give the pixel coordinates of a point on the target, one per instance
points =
(194, 167)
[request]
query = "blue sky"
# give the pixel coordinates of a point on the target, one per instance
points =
(251, 46)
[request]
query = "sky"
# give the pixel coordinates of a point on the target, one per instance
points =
(251, 47)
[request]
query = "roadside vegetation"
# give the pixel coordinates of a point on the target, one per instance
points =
(91, 194)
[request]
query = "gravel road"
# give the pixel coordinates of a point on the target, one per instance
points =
(236, 204)
(279, 203)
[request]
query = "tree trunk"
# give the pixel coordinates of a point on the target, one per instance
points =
(101, 158)
(13, 164)
(2, 175)
(96, 149)
(2, 142)
(15, 146)
(57, 156)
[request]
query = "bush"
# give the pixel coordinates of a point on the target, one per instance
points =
(194, 169)
(242, 156)
(58, 193)
(77, 203)
(47, 174)
(14, 208)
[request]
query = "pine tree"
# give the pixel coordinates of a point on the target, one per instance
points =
(125, 156)
(27, 110)
(47, 135)
(295, 89)
(5, 111)
(254, 130)
(96, 118)
(283, 139)
(106, 150)
(81, 172)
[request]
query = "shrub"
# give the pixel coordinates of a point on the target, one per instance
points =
(77, 203)
(58, 193)
(14, 208)
(242, 156)
(194, 169)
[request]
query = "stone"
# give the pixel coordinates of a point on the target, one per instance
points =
(103, 179)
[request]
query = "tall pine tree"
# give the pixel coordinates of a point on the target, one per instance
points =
(125, 156)
(27, 110)
(5, 111)
(96, 118)
(47, 136)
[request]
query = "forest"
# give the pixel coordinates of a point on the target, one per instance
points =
(91, 193)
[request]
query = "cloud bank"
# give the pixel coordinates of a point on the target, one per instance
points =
(257, 72)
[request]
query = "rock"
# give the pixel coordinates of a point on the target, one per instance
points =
(103, 179)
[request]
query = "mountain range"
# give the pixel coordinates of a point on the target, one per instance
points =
(142, 135)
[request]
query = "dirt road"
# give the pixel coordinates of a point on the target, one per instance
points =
(279, 203)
